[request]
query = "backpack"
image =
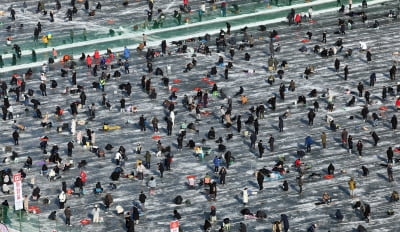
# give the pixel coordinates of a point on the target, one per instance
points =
(109, 147)
(178, 200)
(245, 211)
(261, 214)
(361, 228)
(301, 153)
(53, 84)
(52, 215)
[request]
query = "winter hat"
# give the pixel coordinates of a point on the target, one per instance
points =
(96, 206)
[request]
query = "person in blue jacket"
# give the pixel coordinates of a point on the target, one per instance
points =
(126, 53)
(308, 143)
(217, 162)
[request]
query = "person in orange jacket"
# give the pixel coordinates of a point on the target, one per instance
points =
(89, 61)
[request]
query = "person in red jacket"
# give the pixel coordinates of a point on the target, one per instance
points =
(96, 54)
(297, 19)
(89, 61)
(83, 176)
(398, 104)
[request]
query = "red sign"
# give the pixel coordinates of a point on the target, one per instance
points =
(174, 226)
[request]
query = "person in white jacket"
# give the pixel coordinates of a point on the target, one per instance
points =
(73, 127)
(172, 116)
(140, 171)
(245, 196)
(118, 158)
(62, 198)
(96, 214)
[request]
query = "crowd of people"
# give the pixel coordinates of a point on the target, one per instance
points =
(118, 69)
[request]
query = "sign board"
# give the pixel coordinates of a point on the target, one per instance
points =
(18, 199)
(174, 226)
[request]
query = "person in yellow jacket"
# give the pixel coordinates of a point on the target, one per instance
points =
(352, 186)
(45, 40)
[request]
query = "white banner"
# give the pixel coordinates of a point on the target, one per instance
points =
(18, 191)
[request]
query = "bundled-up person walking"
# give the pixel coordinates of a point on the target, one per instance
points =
(96, 214)
(68, 214)
(308, 142)
(217, 163)
(352, 186)
(285, 222)
(62, 198)
(245, 195)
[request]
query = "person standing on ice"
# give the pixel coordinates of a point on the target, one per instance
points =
(245, 195)
(253, 139)
(73, 127)
(352, 186)
(300, 181)
(260, 180)
(62, 198)
(172, 117)
(15, 136)
(126, 53)
(308, 142)
(96, 214)
(285, 222)
(142, 199)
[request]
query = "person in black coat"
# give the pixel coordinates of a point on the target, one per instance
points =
(122, 103)
(42, 88)
(260, 180)
(389, 155)
(135, 214)
(130, 225)
(285, 222)
(311, 116)
(331, 169)
(142, 124)
(15, 136)
(256, 126)
(70, 146)
(339, 216)
(228, 157)
(239, 123)
(142, 199)
(337, 65)
(280, 124)
(364, 113)
(128, 89)
(393, 121)
(271, 143)
(82, 96)
(242, 227)
(285, 186)
(375, 137)
(177, 215)
(253, 139)
(260, 148)
(211, 133)
(74, 108)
